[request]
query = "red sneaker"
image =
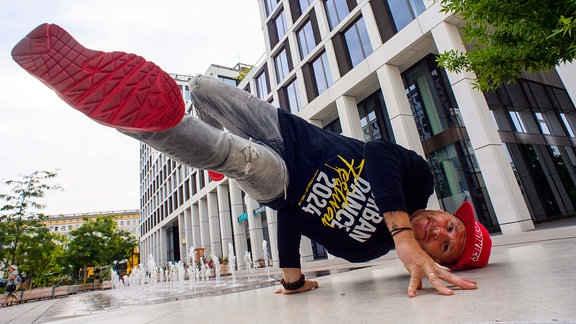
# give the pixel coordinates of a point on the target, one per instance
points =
(116, 89)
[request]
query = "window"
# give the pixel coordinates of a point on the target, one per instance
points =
(517, 121)
(306, 40)
(262, 85)
(336, 10)
(431, 100)
(280, 23)
(404, 11)
(186, 93)
(322, 73)
(567, 124)
(228, 80)
(293, 97)
(304, 4)
(542, 123)
(281, 64)
(270, 5)
(334, 127)
(357, 42)
(374, 118)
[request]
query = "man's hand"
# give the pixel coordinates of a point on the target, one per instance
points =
(418, 262)
(293, 275)
(420, 265)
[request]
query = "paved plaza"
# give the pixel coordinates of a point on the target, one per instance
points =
(531, 279)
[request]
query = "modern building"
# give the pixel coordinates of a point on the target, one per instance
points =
(367, 69)
(127, 220)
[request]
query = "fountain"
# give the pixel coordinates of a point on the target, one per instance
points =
(266, 258)
(232, 263)
(188, 279)
(249, 264)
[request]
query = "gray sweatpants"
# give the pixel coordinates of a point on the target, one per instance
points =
(251, 149)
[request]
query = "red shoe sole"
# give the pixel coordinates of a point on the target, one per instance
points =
(116, 89)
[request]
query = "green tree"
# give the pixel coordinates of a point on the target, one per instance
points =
(243, 72)
(24, 240)
(98, 243)
(508, 37)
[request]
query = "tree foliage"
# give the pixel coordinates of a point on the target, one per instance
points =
(41, 254)
(98, 243)
(24, 240)
(508, 37)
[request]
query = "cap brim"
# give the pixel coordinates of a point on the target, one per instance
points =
(466, 213)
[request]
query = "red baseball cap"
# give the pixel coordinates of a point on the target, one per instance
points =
(478, 242)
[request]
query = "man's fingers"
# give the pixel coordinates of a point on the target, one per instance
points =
(464, 283)
(438, 285)
(415, 283)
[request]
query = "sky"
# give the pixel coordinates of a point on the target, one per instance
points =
(98, 168)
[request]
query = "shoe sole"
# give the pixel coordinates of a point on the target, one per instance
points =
(117, 89)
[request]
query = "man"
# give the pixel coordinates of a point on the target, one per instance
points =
(355, 198)
(12, 283)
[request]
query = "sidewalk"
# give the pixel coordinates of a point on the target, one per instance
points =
(531, 279)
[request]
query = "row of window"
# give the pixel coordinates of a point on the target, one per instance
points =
(532, 108)
(352, 44)
(65, 228)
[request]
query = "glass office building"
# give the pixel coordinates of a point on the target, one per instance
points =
(367, 69)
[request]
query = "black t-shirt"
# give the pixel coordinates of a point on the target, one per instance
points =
(339, 187)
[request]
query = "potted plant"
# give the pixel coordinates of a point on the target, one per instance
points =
(224, 266)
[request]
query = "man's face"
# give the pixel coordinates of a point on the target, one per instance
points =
(441, 235)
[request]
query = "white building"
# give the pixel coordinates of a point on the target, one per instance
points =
(367, 69)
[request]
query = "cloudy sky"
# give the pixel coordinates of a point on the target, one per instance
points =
(97, 166)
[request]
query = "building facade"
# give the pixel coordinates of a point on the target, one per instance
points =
(128, 220)
(367, 69)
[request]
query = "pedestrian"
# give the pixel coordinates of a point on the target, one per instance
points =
(13, 281)
(359, 200)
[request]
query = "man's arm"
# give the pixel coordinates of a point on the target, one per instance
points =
(418, 262)
(289, 236)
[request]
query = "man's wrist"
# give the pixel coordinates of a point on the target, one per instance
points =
(294, 285)
(397, 230)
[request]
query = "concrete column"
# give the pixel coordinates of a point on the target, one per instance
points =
(371, 26)
(323, 25)
(567, 73)
(306, 252)
(272, 217)
(428, 3)
(188, 231)
(163, 255)
(204, 227)
(302, 94)
(255, 228)
(143, 248)
(349, 117)
(182, 236)
(332, 61)
(196, 233)
(239, 230)
(214, 224)
(294, 48)
(224, 215)
(398, 107)
(507, 200)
